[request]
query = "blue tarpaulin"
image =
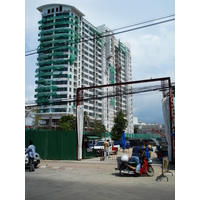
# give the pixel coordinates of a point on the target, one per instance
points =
(123, 140)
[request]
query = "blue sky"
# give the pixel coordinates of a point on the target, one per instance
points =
(153, 48)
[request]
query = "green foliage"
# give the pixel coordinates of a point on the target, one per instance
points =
(98, 128)
(120, 124)
(67, 122)
(136, 129)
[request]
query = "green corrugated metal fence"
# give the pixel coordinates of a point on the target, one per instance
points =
(141, 136)
(53, 145)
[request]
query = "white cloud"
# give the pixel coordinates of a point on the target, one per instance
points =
(153, 54)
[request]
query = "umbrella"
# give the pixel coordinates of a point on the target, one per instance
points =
(123, 140)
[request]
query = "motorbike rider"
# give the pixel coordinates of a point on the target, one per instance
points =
(136, 153)
(146, 148)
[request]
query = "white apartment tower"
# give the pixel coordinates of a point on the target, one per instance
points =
(69, 57)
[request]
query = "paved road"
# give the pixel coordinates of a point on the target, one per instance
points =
(93, 180)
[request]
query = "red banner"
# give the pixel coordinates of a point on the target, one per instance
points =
(172, 118)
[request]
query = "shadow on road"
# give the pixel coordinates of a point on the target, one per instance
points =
(117, 174)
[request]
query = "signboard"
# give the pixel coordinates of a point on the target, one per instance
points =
(89, 149)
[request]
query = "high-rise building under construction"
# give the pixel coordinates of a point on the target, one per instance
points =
(74, 53)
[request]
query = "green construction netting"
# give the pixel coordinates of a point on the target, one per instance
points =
(57, 17)
(42, 101)
(49, 68)
(122, 48)
(66, 30)
(44, 62)
(57, 48)
(112, 76)
(59, 23)
(141, 136)
(48, 34)
(63, 39)
(44, 56)
(43, 74)
(112, 81)
(95, 31)
(43, 82)
(46, 88)
(99, 40)
(112, 101)
(45, 94)
(112, 70)
(72, 58)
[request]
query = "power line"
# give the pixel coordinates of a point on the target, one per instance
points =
(139, 23)
(120, 32)
(144, 22)
(109, 94)
(136, 24)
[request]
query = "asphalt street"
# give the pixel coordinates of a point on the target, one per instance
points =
(94, 179)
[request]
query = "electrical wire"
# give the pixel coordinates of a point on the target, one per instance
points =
(143, 22)
(109, 94)
(120, 32)
(139, 23)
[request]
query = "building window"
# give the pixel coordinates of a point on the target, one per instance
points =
(52, 10)
(56, 9)
(48, 11)
(60, 8)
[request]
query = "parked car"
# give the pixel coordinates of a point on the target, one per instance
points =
(128, 144)
(133, 142)
(162, 141)
(116, 145)
(152, 142)
(119, 142)
(36, 161)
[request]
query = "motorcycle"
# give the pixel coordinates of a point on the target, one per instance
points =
(125, 166)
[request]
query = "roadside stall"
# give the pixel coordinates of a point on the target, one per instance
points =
(88, 146)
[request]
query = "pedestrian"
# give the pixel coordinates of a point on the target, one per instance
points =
(31, 154)
(136, 153)
(105, 148)
(146, 148)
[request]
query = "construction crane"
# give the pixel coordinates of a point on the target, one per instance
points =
(154, 130)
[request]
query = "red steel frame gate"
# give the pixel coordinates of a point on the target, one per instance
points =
(79, 101)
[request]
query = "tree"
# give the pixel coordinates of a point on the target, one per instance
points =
(136, 129)
(98, 128)
(31, 115)
(67, 122)
(120, 124)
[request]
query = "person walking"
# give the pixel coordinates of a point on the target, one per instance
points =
(31, 155)
(106, 148)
